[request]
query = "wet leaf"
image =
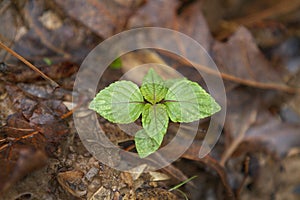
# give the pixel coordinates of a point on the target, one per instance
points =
(20, 157)
(33, 132)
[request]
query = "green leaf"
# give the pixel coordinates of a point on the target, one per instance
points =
(116, 64)
(186, 101)
(170, 82)
(120, 102)
(144, 144)
(153, 87)
(48, 61)
(155, 121)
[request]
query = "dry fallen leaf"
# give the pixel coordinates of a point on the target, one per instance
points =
(241, 58)
(271, 133)
(34, 131)
(164, 14)
(105, 17)
(241, 113)
(19, 157)
(70, 181)
(39, 42)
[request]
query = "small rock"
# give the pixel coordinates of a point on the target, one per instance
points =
(91, 173)
(71, 149)
(50, 20)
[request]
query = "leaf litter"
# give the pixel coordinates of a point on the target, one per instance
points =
(258, 134)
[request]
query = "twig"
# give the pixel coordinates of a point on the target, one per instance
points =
(246, 173)
(4, 7)
(32, 134)
(276, 10)
(229, 77)
(192, 154)
(241, 134)
(15, 54)
(3, 147)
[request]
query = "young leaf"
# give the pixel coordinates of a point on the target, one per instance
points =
(120, 102)
(186, 101)
(153, 87)
(144, 144)
(155, 121)
(116, 64)
(170, 82)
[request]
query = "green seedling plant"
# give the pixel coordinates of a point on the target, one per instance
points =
(158, 101)
(176, 187)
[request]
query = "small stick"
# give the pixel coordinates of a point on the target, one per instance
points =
(232, 78)
(15, 54)
(246, 174)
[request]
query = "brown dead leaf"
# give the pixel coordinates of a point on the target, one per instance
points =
(192, 22)
(70, 181)
(40, 90)
(46, 119)
(265, 133)
(105, 17)
(241, 58)
(192, 154)
(12, 170)
(164, 14)
(242, 109)
(127, 179)
(10, 25)
(61, 72)
(154, 13)
(36, 129)
(273, 135)
(20, 101)
(137, 58)
(18, 158)
(39, 41)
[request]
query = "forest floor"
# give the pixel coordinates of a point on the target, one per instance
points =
(255, 45)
